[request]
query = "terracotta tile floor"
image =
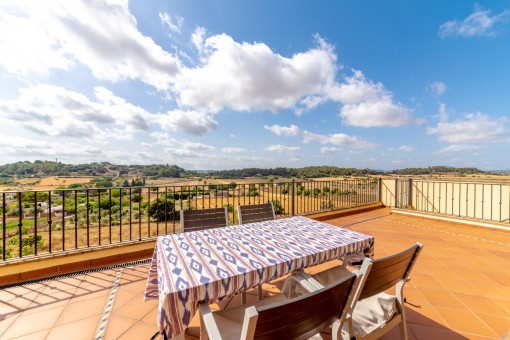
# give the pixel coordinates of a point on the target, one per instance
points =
(460, 288)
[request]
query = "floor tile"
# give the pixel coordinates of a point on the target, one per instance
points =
(465, 321)
(81, 310)
(117, 326)
(500, 325)
(422, 332)
(481, 304)
(31, 323)
(81, 329)
(140, 330)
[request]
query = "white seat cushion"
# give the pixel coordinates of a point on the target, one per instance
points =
(373, 312)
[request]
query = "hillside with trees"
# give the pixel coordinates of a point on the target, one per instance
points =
(105, 169)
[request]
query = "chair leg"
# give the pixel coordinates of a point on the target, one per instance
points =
(243, 298)
(259, 293)
(402, 309)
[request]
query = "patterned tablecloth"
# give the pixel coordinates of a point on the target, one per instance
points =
(210, 265)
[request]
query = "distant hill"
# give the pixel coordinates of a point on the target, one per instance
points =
(105, 169)
(431, 170)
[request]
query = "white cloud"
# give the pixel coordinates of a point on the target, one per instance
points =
(282, 148)
(368, 104)
(329, 149)
(193, 122)
(38, 37)
(340, 139)
(406, 148)
(174, 24)
(233, 150)
(279, 130)
(383, 113)
(443, 113)
(457, 148)
(437, 88)
(251, 77)
(198, 37)
(473, 129)
(54, 111)
(479, 23)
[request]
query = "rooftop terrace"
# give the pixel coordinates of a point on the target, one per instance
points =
(460, 288)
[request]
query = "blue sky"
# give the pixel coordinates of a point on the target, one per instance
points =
(230, 84)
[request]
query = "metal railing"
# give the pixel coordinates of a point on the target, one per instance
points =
(482, 201)
(39, 222)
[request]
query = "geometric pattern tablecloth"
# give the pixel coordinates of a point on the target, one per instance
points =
(210, 265)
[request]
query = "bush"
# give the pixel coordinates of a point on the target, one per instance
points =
(162, 210)
(278, 209)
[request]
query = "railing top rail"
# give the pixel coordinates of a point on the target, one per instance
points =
(458, 181)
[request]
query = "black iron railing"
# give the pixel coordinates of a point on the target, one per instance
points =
(38, 222)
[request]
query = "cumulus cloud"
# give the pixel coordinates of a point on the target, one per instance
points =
(282, 148)
(38, 37)
(329, 150)
(279, 130)
(54, 111)
(437, 88)
(368, 104)
(457, 148)
(174, 24)
(473, 128)
(251, 77)
(340, 139)
(479, 23)
(14, 148)
(232, 150)
(193, 122)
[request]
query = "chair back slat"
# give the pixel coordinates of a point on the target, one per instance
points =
(386, 272)
(203, 219)
(255, 213)
(302, 317)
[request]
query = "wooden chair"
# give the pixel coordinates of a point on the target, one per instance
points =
(281, 318)
(255, 213)
(374, 312)
(192, 220)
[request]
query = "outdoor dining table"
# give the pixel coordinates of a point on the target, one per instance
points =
(213, 264)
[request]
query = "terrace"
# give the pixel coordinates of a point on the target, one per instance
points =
(459, 288)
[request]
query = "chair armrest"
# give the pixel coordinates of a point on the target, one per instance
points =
(208, 322)
(351, 257)
(303, 279)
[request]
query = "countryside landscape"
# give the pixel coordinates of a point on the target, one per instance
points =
(49, 206)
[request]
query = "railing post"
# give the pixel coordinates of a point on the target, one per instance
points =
(396, 192)
(410, 193)
(20, 224)
(379, 189)
(292, 197)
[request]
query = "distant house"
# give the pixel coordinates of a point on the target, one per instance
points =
(42, 205)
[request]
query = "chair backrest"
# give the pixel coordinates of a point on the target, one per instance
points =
(255, 213)
(304, 316)
(387, 272)
(192, 220)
